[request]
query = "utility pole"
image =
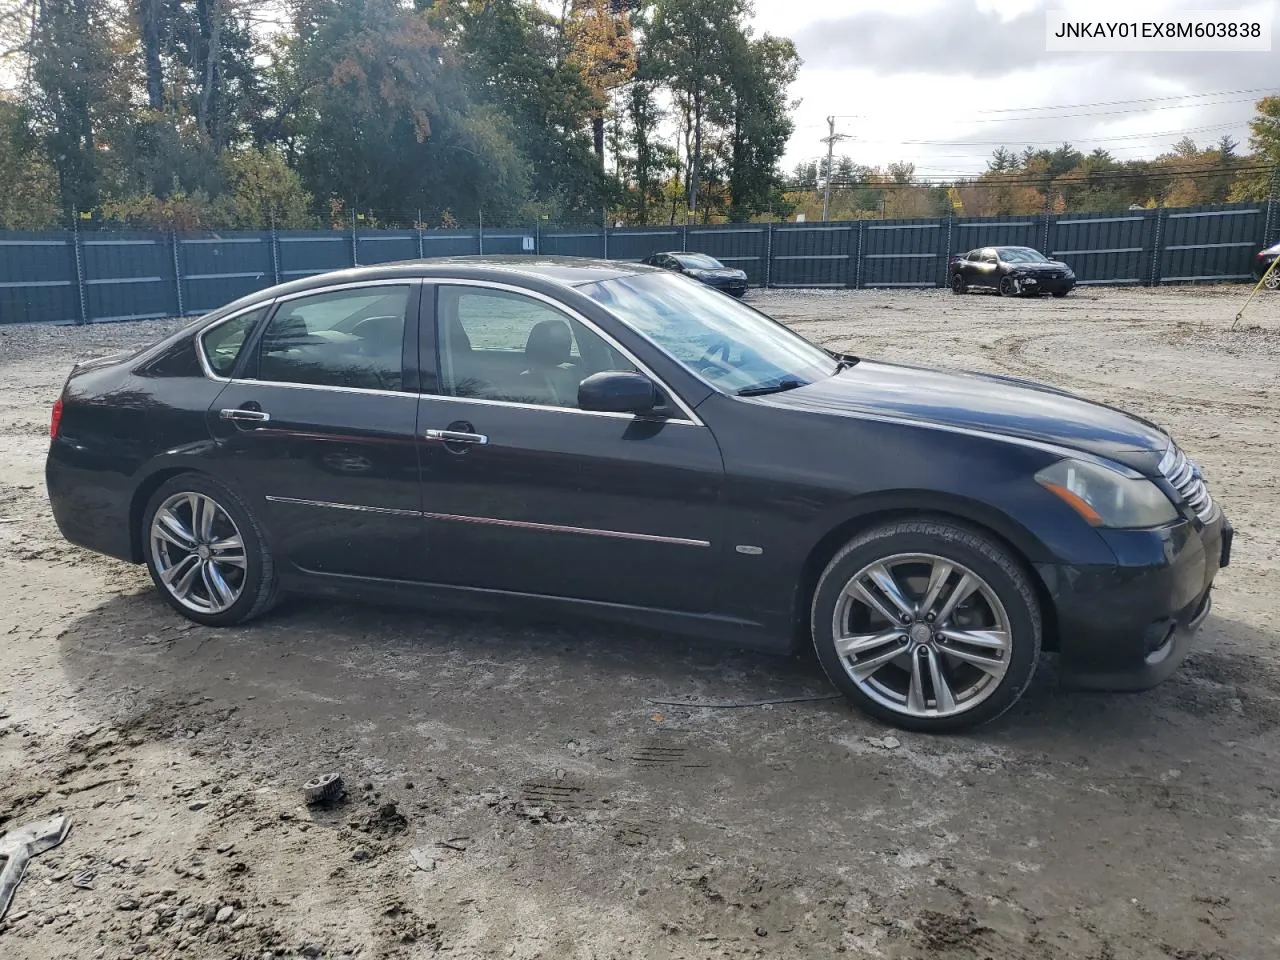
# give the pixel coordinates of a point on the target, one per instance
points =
(830, 141)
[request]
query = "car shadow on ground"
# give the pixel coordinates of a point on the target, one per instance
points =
(389, 673)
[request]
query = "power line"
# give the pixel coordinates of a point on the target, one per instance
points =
(1115, 103)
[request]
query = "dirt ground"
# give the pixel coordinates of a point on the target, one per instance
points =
(524, 790)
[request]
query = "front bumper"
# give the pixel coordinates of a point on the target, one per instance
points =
(1034, 285)
(1127, 627)
(733, 287)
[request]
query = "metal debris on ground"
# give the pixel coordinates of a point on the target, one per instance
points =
(17, 847)
(323, 789)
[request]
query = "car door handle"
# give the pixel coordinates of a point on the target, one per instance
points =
(241, 415)
(456, 436)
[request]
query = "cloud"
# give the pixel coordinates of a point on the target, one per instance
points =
(961, 39)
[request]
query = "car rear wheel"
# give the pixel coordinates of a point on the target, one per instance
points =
(958, 285)
(1007, 287)
(927, 625)
(205, 552)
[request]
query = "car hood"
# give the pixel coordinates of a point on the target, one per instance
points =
(1047, 265)
(988, 403)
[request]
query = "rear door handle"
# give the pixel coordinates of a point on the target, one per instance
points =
(244, 416)
(457, 436)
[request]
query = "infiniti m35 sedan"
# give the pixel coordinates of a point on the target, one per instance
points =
(586, 437)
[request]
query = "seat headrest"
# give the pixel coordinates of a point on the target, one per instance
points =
(549, 343)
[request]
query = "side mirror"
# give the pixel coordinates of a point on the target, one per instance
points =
(615, 391)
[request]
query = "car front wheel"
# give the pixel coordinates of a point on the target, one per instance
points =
(927, 625)
(205, 552)
(1008, 287)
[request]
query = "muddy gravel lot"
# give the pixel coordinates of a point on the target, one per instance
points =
(524, 790)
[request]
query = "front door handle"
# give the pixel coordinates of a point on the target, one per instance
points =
(241, 415)
(457, 436)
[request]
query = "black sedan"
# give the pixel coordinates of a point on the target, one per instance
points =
(1262, 263)
(704, 268)
(587, 437)
(1013, 271)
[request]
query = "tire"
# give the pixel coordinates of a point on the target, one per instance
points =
(958, 285)
(1059, 294)
(1007, 287)
(978, 683)
(1273, 281)
(248, 573)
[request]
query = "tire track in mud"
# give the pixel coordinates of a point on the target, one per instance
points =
(1010, 353)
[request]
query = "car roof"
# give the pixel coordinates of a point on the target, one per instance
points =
(541, 270)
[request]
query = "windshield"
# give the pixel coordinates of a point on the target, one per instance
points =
(1021, 255)
(727, 344)
(699, 260)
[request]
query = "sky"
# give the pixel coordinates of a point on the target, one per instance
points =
(897, 71)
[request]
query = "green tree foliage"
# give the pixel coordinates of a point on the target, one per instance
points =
(29, 199)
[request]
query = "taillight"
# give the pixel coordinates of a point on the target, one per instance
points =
(55, 419)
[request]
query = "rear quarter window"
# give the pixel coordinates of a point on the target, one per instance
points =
(222, 344)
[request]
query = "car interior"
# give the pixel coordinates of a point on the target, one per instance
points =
(498, 346)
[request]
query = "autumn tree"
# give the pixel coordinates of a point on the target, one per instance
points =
(603, 50)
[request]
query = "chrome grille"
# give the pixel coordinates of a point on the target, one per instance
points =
(1181, 471)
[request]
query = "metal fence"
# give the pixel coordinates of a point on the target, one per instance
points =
(71, 277)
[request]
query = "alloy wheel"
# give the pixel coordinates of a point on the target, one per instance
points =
(922, 635)
(1273, 281)
(1008, 287)
(198, 552)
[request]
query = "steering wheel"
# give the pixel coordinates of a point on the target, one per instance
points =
(716, 358)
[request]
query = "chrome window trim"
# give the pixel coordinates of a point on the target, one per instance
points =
(314, 291)
(494, 521)
(200, 351)
(691, 418)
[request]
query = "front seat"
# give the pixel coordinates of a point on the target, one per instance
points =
(545, 380)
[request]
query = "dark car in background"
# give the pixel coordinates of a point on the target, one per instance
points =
(1011, 271)
(1262, 262)
(566, 437)
(704, 268)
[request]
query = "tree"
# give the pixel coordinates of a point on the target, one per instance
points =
(756, 112)
(29, 199)
(691, 42)
(515, 59)
(1264, 139)
(604, 51)
(76, 94)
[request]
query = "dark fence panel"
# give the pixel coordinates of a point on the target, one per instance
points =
(742, 247)
(224, 267)
(1104, 248)
(68, 277)
(568, 242)
(129, 276)
(38, 278)
(450, 243)
(903, 253)
(974, 232)
(1210, 243)
(813, 255)
(303, 254)
(636, 243)
(386, 247)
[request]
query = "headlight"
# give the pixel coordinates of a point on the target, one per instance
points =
(1106, 498)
